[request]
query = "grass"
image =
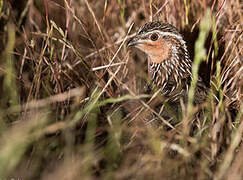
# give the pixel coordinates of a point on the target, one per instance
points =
(72, 97)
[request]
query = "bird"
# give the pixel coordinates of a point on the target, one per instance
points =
(169, 62)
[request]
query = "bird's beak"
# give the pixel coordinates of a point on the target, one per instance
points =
(132, 42)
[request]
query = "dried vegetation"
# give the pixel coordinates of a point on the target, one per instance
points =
(72, 101)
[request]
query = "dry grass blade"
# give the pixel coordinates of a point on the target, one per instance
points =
(36, 104)
(95, 19)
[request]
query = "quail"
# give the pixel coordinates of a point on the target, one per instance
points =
(169, 63)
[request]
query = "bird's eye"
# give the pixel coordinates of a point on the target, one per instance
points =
(154, 37)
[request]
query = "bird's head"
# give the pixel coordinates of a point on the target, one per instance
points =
(166, 49)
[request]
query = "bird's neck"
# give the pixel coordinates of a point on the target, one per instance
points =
(173, 70)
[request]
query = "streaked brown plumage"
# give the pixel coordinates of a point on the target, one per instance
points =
(169, 64)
